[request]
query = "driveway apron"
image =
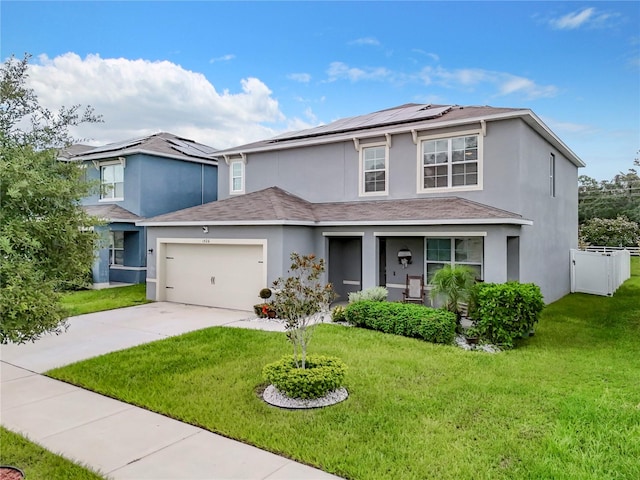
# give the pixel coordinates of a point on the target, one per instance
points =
(119, 440)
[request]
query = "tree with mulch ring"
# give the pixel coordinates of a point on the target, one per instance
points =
(302, 300)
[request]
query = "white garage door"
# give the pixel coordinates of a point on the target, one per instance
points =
(225, 276)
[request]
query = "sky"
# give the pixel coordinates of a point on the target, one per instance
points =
(229, 73)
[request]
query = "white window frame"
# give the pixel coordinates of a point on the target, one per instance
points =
(449, 188)
(452, 261)
(233, 191)
(367, 146)
(103, 198)
(552, 175)
(113, 249)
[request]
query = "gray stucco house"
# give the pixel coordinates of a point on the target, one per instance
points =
(492, 188)
(140, 178)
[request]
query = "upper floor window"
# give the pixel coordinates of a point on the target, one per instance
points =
(112, 182)
(374, 170)
(237, 177)
(552, 175)
(452, 162)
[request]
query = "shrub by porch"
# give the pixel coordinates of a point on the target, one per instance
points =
(408, 320)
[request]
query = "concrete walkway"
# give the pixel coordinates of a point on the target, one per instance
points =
(120, 440)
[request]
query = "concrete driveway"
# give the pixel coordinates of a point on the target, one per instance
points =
(122, 441)
(103, 332)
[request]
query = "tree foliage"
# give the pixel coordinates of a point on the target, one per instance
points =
(301, 300)
(610, 232)
(45, 242)
(610, 198)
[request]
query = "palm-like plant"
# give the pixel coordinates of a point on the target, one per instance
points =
(454, 285)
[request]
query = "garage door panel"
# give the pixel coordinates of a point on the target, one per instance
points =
(226, 276)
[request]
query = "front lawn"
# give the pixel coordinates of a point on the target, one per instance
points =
(36, 462)
(564, 404)
(89, 301)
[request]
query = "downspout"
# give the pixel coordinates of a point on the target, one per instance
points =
(202, 184)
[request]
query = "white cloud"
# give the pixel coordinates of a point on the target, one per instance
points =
(432, 56)
(365, 41)
(139, 97)
(573, 20)
(469, 79)
(224, 58)
(565, 128)
(340, 70)
(587, 17)
(300, 77)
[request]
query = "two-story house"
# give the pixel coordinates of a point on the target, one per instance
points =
(400, 191)
(140, 178)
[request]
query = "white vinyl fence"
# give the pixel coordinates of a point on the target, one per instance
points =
(599, 273)
(634, 251)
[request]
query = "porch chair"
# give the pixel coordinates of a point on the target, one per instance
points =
(414, 292)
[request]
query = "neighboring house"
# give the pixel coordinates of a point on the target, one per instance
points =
(379, 196)
(140, 178)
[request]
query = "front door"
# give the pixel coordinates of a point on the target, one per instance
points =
(345, 265)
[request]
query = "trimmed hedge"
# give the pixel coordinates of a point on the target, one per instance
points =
(321, 376)
(406, 319)
(504, 312)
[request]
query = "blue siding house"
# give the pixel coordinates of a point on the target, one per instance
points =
(140, 178)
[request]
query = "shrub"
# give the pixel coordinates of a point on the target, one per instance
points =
(264, 310)
(409, 320)
(265, 293)
(505, 312)
(338, 314)
(374, 294)
(320, 376)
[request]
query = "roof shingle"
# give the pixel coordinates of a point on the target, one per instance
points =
(274, 205)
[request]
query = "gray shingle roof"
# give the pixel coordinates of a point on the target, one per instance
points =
(162, 144)
(276, 206)
(111, 213)
(403, 117)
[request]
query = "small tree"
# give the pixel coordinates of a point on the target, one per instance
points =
(301, 300)
(618, 232)
(454, 284)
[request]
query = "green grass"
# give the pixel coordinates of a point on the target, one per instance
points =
(89, 301)
(36, 462)
(565, 404)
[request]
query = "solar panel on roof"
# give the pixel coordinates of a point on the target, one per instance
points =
(118, 145)
(376, 119)
(190, 148)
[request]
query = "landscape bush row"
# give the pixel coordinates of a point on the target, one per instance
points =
(501, 313)
(406, 319)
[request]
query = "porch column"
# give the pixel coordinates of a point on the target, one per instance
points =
(369, 261)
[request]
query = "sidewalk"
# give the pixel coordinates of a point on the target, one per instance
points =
(120, 440)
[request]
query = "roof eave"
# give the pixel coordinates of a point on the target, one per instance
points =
(337, 223)
(530, 118)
